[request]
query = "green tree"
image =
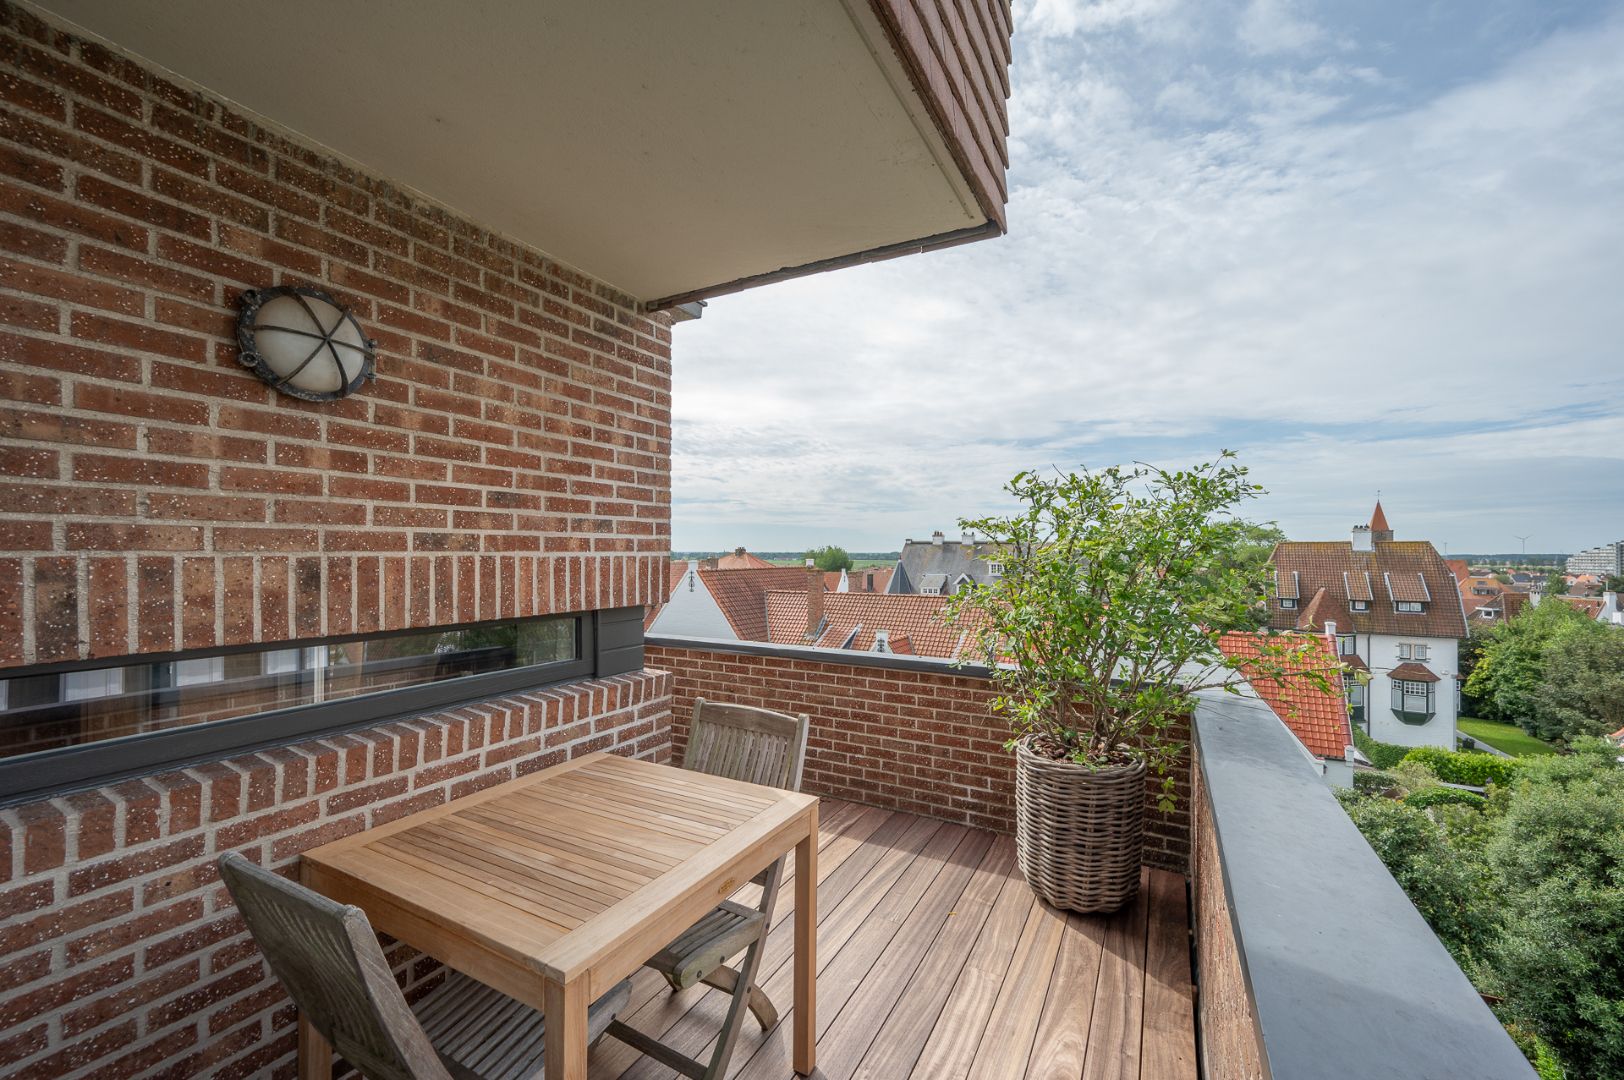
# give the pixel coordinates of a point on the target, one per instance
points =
(1556, 583)
(1114, 593)
(1557, 857)
(1615, 583)
(1581, 688)
(1251, 547)
(829, 558)
(1510, 667)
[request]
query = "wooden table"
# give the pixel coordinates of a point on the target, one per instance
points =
(554, 887)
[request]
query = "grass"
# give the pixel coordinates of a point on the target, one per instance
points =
(1508, 738)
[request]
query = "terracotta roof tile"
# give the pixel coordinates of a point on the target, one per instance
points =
(740, 559)
(1378, 520)
(1412, 565)
(850, 620)
(742, 595)
(1316, 715)
(1357, 585)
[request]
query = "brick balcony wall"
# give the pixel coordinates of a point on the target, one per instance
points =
(512, 458)
(921, 741)
(120, 951)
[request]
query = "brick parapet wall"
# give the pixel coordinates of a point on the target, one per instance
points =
(924, 741)
(120, 952)
(512, 458)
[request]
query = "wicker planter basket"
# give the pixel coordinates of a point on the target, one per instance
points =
(1079, 831)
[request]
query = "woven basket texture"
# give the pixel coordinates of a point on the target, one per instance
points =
(1079, 832)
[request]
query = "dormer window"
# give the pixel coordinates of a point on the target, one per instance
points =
(1409, 607)
(1288, 602)
(1358, 605)
(995, 569)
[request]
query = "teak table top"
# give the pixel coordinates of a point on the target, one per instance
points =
(584, 869)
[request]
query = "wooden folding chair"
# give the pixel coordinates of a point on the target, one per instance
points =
(327, 956)
(759, 747)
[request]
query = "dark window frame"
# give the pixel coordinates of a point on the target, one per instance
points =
(1410, 716)
(608, 642)
(1288, 603)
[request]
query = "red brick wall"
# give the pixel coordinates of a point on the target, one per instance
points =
(512, 457)
(120, 950)
(921, 741)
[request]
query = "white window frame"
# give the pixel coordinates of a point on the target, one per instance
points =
(995, 569)
(1358, 605)
(1410, 607)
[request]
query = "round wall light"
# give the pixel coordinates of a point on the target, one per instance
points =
(303, 342)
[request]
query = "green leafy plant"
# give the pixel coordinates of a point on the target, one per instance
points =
(1443, 796)
(1116, 587)
(1382, 755)
(1454, 767)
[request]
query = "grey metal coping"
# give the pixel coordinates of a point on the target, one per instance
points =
(929, 664)
(1345, 977)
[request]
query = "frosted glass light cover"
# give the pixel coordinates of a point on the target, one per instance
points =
(303, 343)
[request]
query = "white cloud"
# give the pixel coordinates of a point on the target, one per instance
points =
(1277, 26)
(1339, 286)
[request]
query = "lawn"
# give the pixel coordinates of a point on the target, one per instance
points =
(1506, 737)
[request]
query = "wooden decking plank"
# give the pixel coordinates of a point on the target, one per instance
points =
(1169, 1024)
(694, 1033)
(847, 1039)
(1062, 1037)
(1115, 1031)
(1006, 1042)
(904, 1032)
(948, 861)
(849, 867)
(951, 1047)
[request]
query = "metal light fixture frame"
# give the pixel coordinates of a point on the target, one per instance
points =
(248, 353)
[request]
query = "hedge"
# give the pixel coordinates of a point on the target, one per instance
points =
(1382, 755)
(1454, 767)
(1439, 796)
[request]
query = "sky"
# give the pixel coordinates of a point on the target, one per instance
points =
(1371, 246)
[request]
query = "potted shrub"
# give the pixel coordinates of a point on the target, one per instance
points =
(1115, 587)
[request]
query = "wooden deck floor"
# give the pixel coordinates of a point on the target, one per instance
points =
(936, 962)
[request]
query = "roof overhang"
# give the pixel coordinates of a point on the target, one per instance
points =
(672, 150)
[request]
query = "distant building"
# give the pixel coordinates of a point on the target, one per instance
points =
(738, 559)
(1395, 610)
(1604, 561)
(730, 605)
(941, 567)
(865, 622)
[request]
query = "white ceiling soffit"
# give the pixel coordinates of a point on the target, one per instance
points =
(668, 148)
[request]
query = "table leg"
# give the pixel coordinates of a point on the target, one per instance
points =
(315, 1052)
(806, 947)
(566, 1030)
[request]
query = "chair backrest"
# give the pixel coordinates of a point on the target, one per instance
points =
(741, 742)
(327, 956)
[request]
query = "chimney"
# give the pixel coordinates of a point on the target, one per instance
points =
(814, 601)
(968, 539)
(882, 641)
(708, 564)
(937, 538)
(739, 551)
(1330, 630)
(1361, 538)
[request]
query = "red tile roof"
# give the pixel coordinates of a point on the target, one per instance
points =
(740, 559)
(913, 622)
(1590, 605)
(1378, 520)
(1317, 716)
(1459, 568)
(1412, 672)
(1412, 568)
(742, 595)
